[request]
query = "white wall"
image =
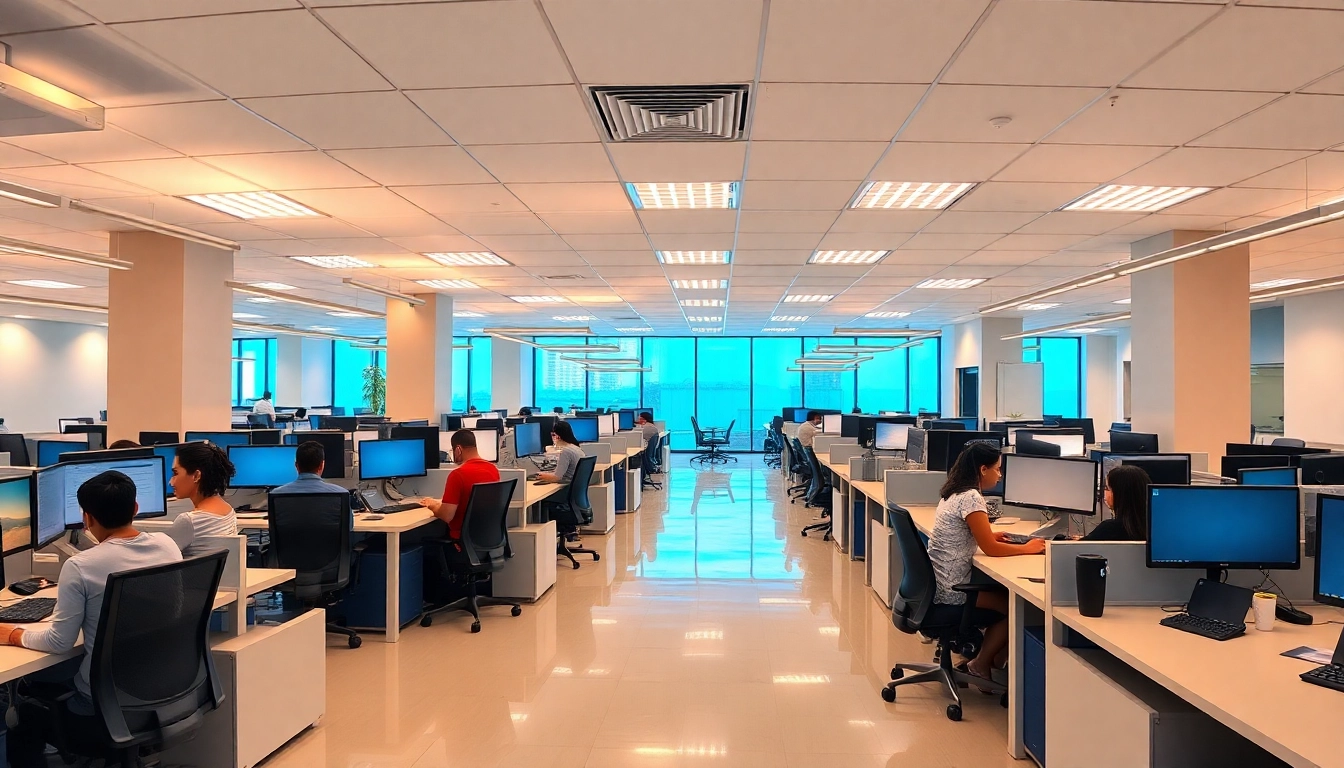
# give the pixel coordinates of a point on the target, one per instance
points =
(1313, 347)
(316, 372)
(1267, 336)
(50, 371)
(1100, 360)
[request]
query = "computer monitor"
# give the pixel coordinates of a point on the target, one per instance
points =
(1133, 442)
(1161, 468)
(547, 424)
(262, 466)
(97, 433)
(333, 449)
(831, 424)
(469, 422)
(1223, 526)
(107, 454)
(890, 437)
(17, 448)
(16, 514)
(49, 451)
(585, 429)
(487, 444)
(386, 459)
(450, 422)
(341, 423)
(1030, 446)
(1071, 441)
(800, 414)
(1054, 484)
(264, 437)
(1121, 426)
(527, 440)
(428, 434)
(943, 446)
(1265, 449)
(851, 424)
(490, 423)
(1267, 476)
(1089, 431)
(159, 438)
(58, 486)
(914, 445)
(944, 424)
(221, 439)
(606, 425)
(1231, 465)
(1325, 469)
(169, 454)
(1329, 581)
(967, 422)
(626, 418)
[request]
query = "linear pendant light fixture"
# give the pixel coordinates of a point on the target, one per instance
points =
(1311, 217)
(290, 298)
(10, 245)
(909, 333)
(29, 195)
(288, 331)
(516, 334)
(1270, 294)
(1091, 321)
(51, 304)
(149, 225)
(388, 292)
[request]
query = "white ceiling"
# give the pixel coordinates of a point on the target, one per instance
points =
(466, 126)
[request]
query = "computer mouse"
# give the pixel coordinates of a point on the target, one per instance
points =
(1292, 615)
(1060, 537)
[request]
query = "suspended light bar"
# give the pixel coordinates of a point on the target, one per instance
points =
(29, 195)
(289, 331)
(1305, 287)
(51, 304)
(604, 360)
(911, 333)
(290, 298)
(388, 292)
(1091, 321)
(840, 349)
(150, 225)
(10, 245)
(824, 361)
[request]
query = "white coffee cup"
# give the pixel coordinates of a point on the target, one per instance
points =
(1263, 605)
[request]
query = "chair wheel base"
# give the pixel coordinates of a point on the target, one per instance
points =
(954, 712)
(804, 534)
(897, 673)
(516, 611)
(355, 642)
(476, 627)
(889, 695)
(426, 621)
(596, 557)
(576, 566)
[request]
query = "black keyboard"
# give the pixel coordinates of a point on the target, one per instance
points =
(390, 508)
(1210, 628)
(1016, 538)
(1330, 676)
(28, 611)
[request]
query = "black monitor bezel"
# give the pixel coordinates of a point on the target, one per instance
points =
(1189, 466)
(1157, 442)
(186, 436)
(541, 448)
(229, 450)
(1211, 566)
(432, 451)
(104, 459)
(38, 443)
(1241, 474)
(1338, 602)
(597, 428)
(1096, 481)
(359, 449)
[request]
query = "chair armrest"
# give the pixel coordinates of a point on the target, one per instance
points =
(968, 608)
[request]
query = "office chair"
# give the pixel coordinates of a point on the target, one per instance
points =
(1291, 442)
(17, 448)
(945, 424)
(575, 511)
(558, 409)
(955, 628)
(310, 532)
(260, 421)
(710, 443)
(774, 443)
(653, 462)
(818, 495)
(152, 677)
(482, 550)
(798, 467)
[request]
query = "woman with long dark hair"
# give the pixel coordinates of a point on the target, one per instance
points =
(1127, 496)
(960, 526)
(201, 472)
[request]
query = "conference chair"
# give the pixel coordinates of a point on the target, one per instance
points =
(955, 628)
(152, 678)
(260, 421)
(482, 551)
(575, 511)
(1290, 442)
(310, 533)
(710, 444)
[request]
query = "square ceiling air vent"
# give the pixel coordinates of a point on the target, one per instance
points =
(672, 112)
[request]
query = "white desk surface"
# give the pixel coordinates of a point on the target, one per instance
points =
(534, 492)
(262, 579)
(397, 522)
(1243, 682)
(1011, 572)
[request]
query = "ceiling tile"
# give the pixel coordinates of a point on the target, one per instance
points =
(1323, 171)
(258, 54)
(520, 223)
(813, 160)
(323, 228)
(1021, 196)
(999, 259)
(1076, 223)
(943, 241)
(862, 220)
(594, 222)
(1047, 243)
(1076, 162)
(402, 226)
(1201, 167)
(770, 258)
(670, 161)
(352, 120)
(1166, 118)
(693, 242)
(205, 128)
(372, 202)
(688, 221)
(14, 157)
(603, 258)
(437, 243)
(862, 241)
(289, 170)
(415, 165)
(507, 243)
(975, 221)
(92, 146)
(181, 176)
(73, 181)
(525, 115)
(572, 197)
(786, 221)
(1297, 121)
(797, 195)
(963, 113)
(462, 198)
(545, 162)
(602, 242)
(781, 240)
(807, 112)
(1237, 202)
(142, 10)
(936, 161)
(446, 45)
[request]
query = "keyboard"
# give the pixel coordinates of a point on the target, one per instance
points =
(390, 508)
(1330, 676)
(28, 611)
(1016, 538)
(1210, 628)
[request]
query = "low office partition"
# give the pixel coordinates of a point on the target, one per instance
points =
(822, 444)
(838, 453)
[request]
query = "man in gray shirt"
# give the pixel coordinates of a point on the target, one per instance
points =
(807, 431)
(646, 427)
(310, 460)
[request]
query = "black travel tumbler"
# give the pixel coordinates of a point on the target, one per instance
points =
(1091, 584)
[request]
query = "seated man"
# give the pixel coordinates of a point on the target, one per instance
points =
(646, 426)
(471, 469)
(109, 507)
(310, 460)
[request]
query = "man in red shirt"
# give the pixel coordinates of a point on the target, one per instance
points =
(471, 469)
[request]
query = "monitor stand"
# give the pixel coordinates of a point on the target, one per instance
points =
(1051, 528)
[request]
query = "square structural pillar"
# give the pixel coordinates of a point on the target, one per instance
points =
(979, 344)
(1191, 346)
(169, 336)
(420, 358)
(1313, 343)
(510, 374)
(303, 371)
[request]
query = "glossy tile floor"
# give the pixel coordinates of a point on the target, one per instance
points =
(710, 633)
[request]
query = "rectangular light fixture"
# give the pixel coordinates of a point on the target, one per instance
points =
(789, 318)
(951, 283)
(702, 302)
(1281, 282)
(846, 257)
(713, 329)
(467, 314)
(276, 286)
(150, 225)
(447, 284)
(540, 299)
(634, 330)
(1133, 199)
(1037, 307)
(468, 259)
(779, 330)
(695, 257)
(697, 194)
(573, 318)
(29, 195)
(916, 195)
(372, 347)
(1121, 301)
(913, 333)
(346, 314)
(1270, 294)
(317, 332)
(886, 315)
(335, 262)
(254, 205)
(850, 349)
(705, 319)
(51, 284)
(808, 298)
(1091, 321)
(245, 316)
(290, 298)
(833, 361)
(381, 291)
(51, 304)
(700, 285)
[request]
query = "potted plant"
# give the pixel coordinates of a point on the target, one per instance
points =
(375, 389)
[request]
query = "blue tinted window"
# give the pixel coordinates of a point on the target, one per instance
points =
(925, 370)
(669, 388)
(1061, 359)
(773, 387)
(612, 389)
(723, 387)
(559, 382)
(481, 373)
(348, 364)
(460, 373)
(883, 381)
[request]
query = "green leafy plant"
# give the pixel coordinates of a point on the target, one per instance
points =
(375, 389)
(1013, 415)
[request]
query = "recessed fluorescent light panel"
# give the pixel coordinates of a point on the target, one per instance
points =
(788, 318)
(273, 286)
(699, 194)
(846, 257)
(695, 257)
(573, 318)
(444, 284)
(1036, 307)
(951, 283)
(702, 302)
(1279, 283)
(715, 329)
(254, 205)
(921, 195)
(1136, 199)
(325, 328)
(261, 300)
(1121, 301)
(54, 284)
(635, 330)
(539, 299)
(779, 330)
(700, 285)
(468, 259)
(884, 315)
(247, 316)
(334, 262)
(705, 319)
(468, 314)
(344, 314)
(809, 298)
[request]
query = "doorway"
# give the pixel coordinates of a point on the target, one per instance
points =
(968, 391)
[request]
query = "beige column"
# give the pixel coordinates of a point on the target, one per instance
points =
(420, 358)
(979, 343)
(169, 336)
(1191, 347)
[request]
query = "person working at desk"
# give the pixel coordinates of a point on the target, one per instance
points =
(807, 431)
(309, 460)
(471, 469)
(108, 503)
(961, 524)
(263, 405)
(1127, 496)
(201, 472)
(646, 426)
(562, 435)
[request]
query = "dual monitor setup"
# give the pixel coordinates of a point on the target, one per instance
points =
(1282, 465)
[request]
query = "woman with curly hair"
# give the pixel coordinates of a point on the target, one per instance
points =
(201, 472)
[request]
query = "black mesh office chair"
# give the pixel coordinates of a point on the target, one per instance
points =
(260, 420)
(709, 443)
(774, 443)
(799, 468)
(652, 463)
(955, 628)
(482, 550)
(818, 495)
(310, 533)
(152, 677)
(1290, 442)
(575, 511)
